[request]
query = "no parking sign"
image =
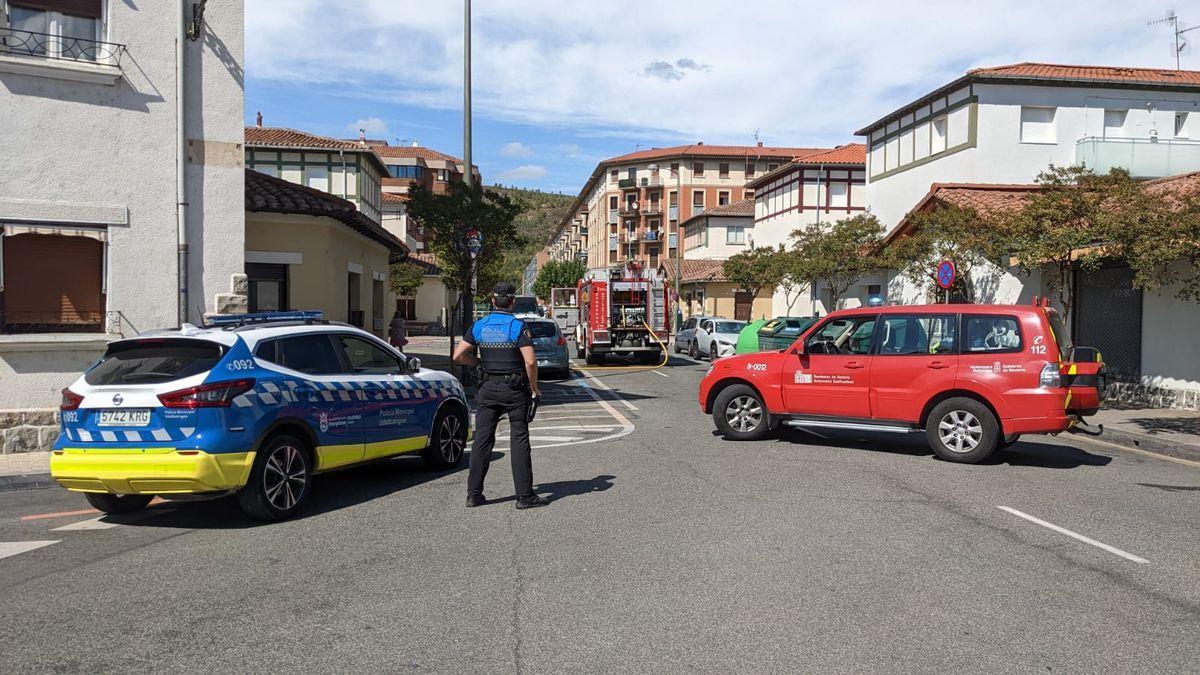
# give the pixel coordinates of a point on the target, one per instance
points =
(946, 272)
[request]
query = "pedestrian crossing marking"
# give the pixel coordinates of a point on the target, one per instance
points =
(11, 548)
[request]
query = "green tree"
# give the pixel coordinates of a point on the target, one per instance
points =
(405, 278)
(1071, 223)
(754, 270)
(950, 232)
(1161, 240)
(792, 276)
(839, 254)
(558, 274)
(447, 218)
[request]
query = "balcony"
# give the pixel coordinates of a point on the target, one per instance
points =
(653, 209)
(652, 181)
(653, 235)
(59, 56)
(627, 184)
(1142, 157)
(629, 209)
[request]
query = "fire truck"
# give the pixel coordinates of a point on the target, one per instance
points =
(622, 311)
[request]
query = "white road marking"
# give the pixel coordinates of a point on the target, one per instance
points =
(605, 387)
(1062, 530)
(659, 372)
(11, 548)
(91, 524)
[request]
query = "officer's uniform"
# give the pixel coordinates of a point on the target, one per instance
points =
(498, 337)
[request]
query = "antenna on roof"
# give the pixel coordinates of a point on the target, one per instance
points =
(1181, 44)
(756, 138)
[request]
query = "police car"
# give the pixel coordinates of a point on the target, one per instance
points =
(253, 404)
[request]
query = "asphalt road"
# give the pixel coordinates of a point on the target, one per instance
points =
(665, 549)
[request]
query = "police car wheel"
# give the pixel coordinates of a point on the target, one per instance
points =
(962, 430)
(447, 442)
(740, 415)
(117, 503)
(279, 481)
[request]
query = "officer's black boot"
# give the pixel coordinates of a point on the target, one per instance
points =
(475, 500)
(532, 502)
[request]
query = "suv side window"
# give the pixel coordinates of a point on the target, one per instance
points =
(847, 335)
(366, 358)
(917, 334)
(689, 324)
(312, 354)
(991, 334)
(706, 326)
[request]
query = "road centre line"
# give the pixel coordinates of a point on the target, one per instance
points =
(1087, 540)
(11, 548)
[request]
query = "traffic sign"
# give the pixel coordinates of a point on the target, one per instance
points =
(946, 273)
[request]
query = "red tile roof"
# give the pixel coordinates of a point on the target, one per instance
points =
(413, 152)
(701, 150)
(427, 261)
(743, 208)
(849, 155)
(691, 271)
(1184, 183)
(1114, 74)
(393, 198)
(290, 138)
(267, 194)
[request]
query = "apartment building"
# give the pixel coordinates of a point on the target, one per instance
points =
(632, 205)
(121, 201)
(982, 139)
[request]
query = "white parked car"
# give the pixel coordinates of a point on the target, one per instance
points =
(716, 337)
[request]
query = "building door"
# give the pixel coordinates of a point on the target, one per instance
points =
(354, 313)
(268, 287)
(743, 305)
(1108, 316)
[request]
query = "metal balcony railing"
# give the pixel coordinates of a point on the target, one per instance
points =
(653, 235)
(629, 209)
(651, 181)
(59, 47)
(1142, 157)
(627, 183)
(653, 209)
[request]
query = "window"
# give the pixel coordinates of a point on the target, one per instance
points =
(312, 354)
(441, 175)
(697, 199)
(614, 175)
(992, 334)
(407, 308)
(749, 169)
(772, 166)
(909, 335)
(675, 168)
(66, 28)
(542, 329)
(317, 177)
(152, 361)
(723, 170)
(1181, 130)
(845, 335)
(1037, 125)
(735, 235)
(52, 282)
(722, 197)
(1114, 123)
(406, 171)
(748, 194)
(697, 168)
(612, 202)
(366, 358)
(631, 174)
(268, 287)
(653, 253)
(937, 137)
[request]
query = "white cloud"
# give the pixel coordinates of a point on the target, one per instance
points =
(804, 72)
(372, 126)
(525, 172)
(515, 150)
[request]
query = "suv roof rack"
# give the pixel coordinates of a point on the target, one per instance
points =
(234, 321)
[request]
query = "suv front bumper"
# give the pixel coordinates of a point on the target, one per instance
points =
(149, 470)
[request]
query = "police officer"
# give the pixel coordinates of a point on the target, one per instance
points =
(505, 350)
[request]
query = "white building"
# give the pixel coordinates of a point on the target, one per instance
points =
(993, 130)
(107, 185)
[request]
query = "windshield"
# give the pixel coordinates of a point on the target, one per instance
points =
(153, 361)
(542, 329)
(525, 304)
(730, 326)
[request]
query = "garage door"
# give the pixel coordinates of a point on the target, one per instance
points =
(1108, 316)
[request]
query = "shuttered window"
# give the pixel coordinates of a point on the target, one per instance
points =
(86, 8)
(52, 283)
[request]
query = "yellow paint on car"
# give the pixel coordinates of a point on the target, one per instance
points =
(149, 470)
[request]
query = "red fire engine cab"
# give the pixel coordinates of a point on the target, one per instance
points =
(622, 311)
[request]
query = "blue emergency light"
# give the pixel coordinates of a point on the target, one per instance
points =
(264, 317)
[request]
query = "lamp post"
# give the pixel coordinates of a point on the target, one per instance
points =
(678, 239)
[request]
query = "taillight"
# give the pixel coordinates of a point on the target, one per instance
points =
(215, 395)
(70, 400)
(561, 341)
(1050, 376)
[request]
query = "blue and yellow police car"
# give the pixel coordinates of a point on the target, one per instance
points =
(249, 404)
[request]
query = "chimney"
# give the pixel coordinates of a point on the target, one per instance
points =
(258, 119)
(362, 136)
(699, 142)
(760, 144)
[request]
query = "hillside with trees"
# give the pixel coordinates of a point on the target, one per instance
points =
(540, 214)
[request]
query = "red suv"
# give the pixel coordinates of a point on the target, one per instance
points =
(972, 377)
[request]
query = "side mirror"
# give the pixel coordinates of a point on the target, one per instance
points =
(798, 349)
(413, 364)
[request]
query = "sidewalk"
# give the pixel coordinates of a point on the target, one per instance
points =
(1175, 433)
(25, 471)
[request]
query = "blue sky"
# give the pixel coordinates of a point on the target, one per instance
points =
(561, 84)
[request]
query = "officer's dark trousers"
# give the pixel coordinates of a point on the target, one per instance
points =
(494, 400)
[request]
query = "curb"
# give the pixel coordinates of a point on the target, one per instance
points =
(27, 481)
(1147, 443)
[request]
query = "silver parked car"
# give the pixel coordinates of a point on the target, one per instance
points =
(685, 339)
(717, 337)
(550, 347)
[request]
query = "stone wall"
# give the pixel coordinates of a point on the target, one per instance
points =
(1140, 394)
(27, 430)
